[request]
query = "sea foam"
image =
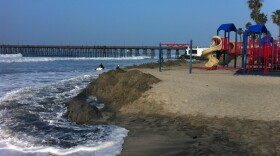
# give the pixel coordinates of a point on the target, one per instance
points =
(12, 58)
(112, 146)
(24, 111)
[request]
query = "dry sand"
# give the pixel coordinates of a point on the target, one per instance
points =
(216, 93)
(204, 113)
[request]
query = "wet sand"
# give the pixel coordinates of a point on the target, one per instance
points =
(158, 135)
(196, 135)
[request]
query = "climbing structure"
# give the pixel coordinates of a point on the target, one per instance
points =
(222, 50)
(260, 52)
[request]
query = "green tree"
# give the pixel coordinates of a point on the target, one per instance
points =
(276, 19)
(247, 26)
(255, 6)
(240, 32)
(262, 18)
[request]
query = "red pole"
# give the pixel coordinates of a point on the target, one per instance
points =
(276, 55)
(250, 54)
(266, 57)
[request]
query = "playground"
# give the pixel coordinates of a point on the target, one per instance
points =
(258, 52)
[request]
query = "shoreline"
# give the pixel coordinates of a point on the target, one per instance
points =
(208, 112)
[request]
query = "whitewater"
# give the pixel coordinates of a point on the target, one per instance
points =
(33, 118)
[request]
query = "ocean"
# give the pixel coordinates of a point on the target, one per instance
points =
(33, 94)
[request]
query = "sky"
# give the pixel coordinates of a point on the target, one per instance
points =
(122, 22)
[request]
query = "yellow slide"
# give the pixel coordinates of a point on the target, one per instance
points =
(208, 53)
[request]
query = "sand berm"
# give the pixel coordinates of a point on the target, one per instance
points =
(176, 113)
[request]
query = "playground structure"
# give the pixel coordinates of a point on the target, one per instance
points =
(222, 50)
(258, 52)
(261, 53)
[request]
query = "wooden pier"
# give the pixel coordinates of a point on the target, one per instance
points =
(89, 51)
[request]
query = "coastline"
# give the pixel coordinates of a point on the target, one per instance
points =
(208, 112)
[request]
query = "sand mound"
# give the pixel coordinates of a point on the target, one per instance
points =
(115, 88)
(81, 112)
(118, 87)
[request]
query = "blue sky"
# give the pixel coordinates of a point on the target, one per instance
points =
(121, 22)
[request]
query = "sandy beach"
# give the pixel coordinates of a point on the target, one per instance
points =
(208, 112)
(215, 93)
